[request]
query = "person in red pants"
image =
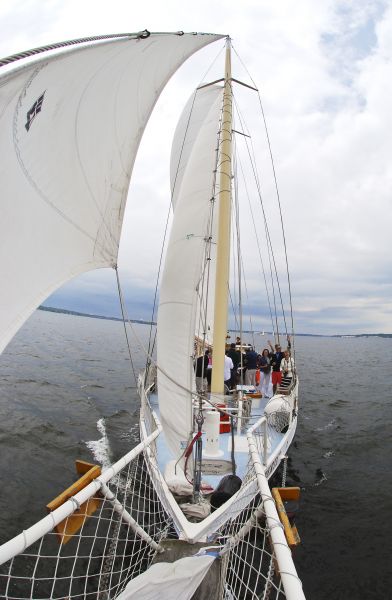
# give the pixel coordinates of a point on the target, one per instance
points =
(276, 359)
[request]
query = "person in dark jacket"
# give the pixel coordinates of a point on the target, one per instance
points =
(252, 363)
(276, 358)
(235, 356)
(201, 367)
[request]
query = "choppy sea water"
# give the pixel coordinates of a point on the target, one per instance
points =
(67, 391)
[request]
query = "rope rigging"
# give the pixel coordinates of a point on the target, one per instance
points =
(259, 252)
(203, 287)
(274, 278)
(277, 195)
(123, 311)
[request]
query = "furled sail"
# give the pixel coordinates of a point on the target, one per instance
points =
(179, 304)
(70, 127)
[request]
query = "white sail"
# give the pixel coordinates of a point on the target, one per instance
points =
(179, 305)
(70, 127)
(178, 579)
(188, 127)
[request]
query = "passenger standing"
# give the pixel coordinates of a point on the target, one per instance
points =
(236, 358)
(265, 372)
(287, 369)
(227, 369)
(209, 370)
(251, 362)
(276, 359)
(201, 372)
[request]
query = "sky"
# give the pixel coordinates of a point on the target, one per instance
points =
(324, 70)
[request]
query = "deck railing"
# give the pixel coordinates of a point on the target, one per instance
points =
(118, 541)
(291, 582)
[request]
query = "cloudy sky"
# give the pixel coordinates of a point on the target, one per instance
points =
(325, 73)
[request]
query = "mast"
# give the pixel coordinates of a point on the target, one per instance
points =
(223, 244)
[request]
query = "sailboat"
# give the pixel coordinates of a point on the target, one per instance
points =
(189, 511)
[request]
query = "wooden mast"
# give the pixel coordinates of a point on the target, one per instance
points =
(223, 243)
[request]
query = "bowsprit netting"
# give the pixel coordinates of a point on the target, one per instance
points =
(120, 540)
(104, 555)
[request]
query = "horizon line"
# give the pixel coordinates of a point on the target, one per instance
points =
(146, 322)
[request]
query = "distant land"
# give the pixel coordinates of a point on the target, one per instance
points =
(365, 335)
(80, 314)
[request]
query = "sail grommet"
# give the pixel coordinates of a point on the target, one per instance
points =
(144, 34)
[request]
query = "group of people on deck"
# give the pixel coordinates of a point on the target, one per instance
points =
(273, 363)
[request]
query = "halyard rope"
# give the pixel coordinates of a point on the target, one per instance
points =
(141, 35)
(123, 310)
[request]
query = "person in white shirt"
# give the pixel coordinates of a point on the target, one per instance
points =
(228, 366)
(287, 368)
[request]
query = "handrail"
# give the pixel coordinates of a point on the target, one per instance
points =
(25, 539)
(291, 582)
(250, 431)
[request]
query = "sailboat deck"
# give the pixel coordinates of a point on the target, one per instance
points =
(241, 448)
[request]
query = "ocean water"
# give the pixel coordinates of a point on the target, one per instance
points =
(67, 391)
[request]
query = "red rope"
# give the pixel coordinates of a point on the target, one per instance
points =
(207, 488)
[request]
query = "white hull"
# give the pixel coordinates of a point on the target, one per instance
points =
(194, 532)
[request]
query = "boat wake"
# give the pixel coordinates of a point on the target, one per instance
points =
(100, 449)
(327, 426)
(322, 477)
(132, 436)
(329, 454)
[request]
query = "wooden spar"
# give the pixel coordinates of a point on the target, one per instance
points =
(223, 245)
(71, 525)
(279, 495)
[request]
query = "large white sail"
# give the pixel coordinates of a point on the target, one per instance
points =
(189, 124)
(188, 128)
(179, 304)
(70, 127)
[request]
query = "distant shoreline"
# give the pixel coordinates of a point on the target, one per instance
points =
(364, 335)
(80, 314)
(267, 333)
